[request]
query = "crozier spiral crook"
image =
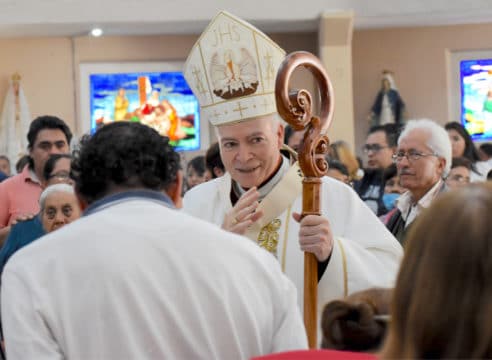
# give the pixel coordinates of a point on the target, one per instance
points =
(295, 107)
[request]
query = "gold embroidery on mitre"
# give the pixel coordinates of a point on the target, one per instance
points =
(198, 80)
(233, 78)
(268, 237)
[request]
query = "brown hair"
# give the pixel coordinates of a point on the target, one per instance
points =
(442, 300)
(358, 322)
(461, 161)
(340, 151)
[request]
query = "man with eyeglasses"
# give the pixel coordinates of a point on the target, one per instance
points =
(379, 147)
(460, 173)
(423, 160)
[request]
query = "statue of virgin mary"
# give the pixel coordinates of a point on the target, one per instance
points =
(14, 122)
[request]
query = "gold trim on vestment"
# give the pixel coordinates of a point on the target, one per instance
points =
(268, 236)
(344, 265)
(286, 237)
(277, 200)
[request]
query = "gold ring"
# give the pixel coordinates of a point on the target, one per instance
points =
(234, 221)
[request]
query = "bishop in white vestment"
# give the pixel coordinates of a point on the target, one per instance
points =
(260, 195)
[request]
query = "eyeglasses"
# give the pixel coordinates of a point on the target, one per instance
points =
(373, 147)
(61, 176)
(411, 156)
(459, 179)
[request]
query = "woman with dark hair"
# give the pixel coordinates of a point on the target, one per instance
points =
(463, 146)
(213, 161)
(441, 302)
(293, 138)
(338, 171)
(353, 328)
(392, 192)
(357, 322)
(460, 172)
(196, 172)
(341, 151)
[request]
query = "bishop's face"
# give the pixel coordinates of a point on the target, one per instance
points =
(250, 150)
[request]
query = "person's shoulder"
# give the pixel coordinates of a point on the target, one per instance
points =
(12, 181)
(26, 258)
(483, 167)
(51, 247)
(334, 185)
(205, 190)
(23, 233)
(8, 186)
(33, 222)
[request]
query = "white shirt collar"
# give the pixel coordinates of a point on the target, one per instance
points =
(409, 209)
(33, 177)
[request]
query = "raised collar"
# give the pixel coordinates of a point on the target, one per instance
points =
(129, 195)
(406, 203)
(28, 175)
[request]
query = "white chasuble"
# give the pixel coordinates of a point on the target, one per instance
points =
(365, 254)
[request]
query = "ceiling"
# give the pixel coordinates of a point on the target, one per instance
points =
(144, 17)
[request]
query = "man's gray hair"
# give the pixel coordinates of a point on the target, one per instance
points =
(54, 189)
(438, 139)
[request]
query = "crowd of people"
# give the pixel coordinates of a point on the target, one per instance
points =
(115, 249)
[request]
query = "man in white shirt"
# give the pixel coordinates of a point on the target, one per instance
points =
(136, 279)
(423, 160)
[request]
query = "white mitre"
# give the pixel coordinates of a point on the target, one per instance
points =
(231, 69)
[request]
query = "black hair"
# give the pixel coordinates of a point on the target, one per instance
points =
(22, 162)
(486, 148)
(288, 131)
(392, 132)
(47, 122)
(198, 164)
(390, 172)
(51, 162)
(213, 159)
(126, 154)
(337, 165)
(357, 322)
(471, 152)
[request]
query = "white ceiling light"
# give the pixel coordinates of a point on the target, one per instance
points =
(96, 32)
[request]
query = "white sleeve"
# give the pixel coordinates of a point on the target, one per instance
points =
(26, 334)
(365, 254)
(289, 330)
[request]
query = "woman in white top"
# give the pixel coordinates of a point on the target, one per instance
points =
(463, 146)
